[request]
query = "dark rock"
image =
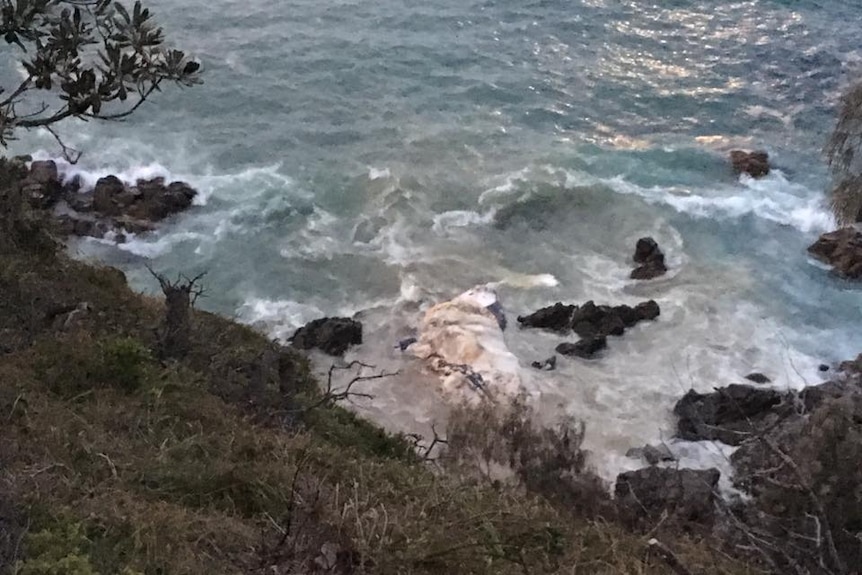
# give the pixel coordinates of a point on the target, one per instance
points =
(585, 329)
(842, 249)
(333, 335)
(649, 271)
(105, 193)
(80, 202)
(686, 495)
(729, 414)
(42, 185)
(823, 367)
(651, 258)
(557, 317)
(496, 310)
(811, 397)
(82, 227)
(648, 310)
(612, 324)
(134, 226)
(652, 269)
(549, 364)
(852, 368)
(652, 454)
(758, 378)
(156, 201)
(149, 200)
(628, 314)
(590, 319)
(585, 348)
(72, 187)
(645, 249)
(755, 164)
(588, 313)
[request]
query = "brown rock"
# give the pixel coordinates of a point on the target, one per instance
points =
(755, 164)
(42, 185)
(842, 249)
(156, 201)
(105, 196)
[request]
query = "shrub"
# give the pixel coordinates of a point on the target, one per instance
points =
(75, 365)
(57, 551)
(501, 443)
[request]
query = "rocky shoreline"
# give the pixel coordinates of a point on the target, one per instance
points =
(110, 209)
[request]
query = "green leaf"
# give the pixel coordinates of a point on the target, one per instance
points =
(123, 12)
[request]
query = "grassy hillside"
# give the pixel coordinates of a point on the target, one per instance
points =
(112, 461)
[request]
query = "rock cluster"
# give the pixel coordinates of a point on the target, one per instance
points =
(111, 205)
(755, 164)
(593, 323)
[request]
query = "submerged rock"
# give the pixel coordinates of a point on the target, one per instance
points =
(651, 258)
(687, 495)
(332, 335)
(755, 164)
(841, 249)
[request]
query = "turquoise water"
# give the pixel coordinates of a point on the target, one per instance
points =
(352, 155)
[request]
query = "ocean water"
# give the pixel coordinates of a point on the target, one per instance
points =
(352, 157)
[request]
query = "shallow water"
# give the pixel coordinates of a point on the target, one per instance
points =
(353, 155)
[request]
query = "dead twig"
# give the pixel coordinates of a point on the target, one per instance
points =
(332, 396)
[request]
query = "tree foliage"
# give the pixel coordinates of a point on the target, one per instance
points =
(88, 59)
(843, 154)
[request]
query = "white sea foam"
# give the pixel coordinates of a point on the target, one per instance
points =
(277, 318)
(527, 281)
(378, 173)
(772, 198)
(447, 221)
(245, 185)
(507, 187)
